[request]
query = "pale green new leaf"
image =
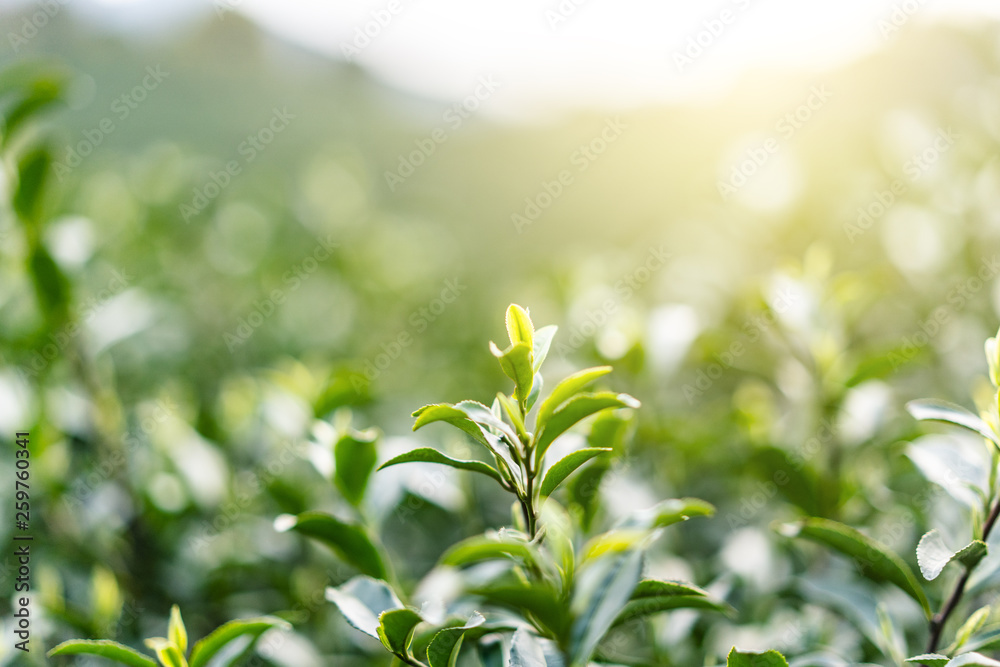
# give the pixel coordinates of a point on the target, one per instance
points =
(105, 649)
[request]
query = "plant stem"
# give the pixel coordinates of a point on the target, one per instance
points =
(939, 620)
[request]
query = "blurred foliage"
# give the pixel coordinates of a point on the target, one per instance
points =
(185, 380)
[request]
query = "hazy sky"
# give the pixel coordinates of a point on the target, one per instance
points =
(550, 55)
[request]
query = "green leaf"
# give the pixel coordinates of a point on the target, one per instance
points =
(105, 649)
(933, 554)
(574, 410)
(565, 466)
(567, 389)
(207, 648)
(878, 564)
(176, 632)
(33, 171)
(490, 547)
(49, 280)
(598, 605)
(753, 659)
(519, 326)
(354, 457)
(350, 541)
(428, 455)
(513, 413)
(543, 341)
(362, 600)
(652, 596)
(536, 391)
(637, 528)
(930, 659)
(444, 648)
(516, 364)
(459, 416)
(396, 628)
(971, 626)
(167, 652)
(536, 600)
(935, 410)
(972, 660)
(525, 650)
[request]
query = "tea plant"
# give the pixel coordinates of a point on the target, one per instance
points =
(172, 650)
(542, 591)
(954, 620)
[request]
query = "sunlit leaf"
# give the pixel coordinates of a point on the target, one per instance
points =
(567, 389)
(362, 600)
(599, 607)
(105, 649)
(935, 410)
(933, 554)
(577, 408)
(396, 628)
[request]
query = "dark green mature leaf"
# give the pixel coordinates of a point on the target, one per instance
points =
(207, 648)
(567, 389)
(537, 600)
(652, 596)
(878, 564)
(459, 416)
(565, 466)
(540, 349)
(930, 659)
(50, 281)
(444, 648)
(753, 659)
(935, 410)
(598, 606)
(972, 660)
(577, 408)
(428, 455)
(516, 364)
(354, 457)
(933, 554)
(33, 171)
(362, 600)
(350, 541)
(396, 628)
(105, 649)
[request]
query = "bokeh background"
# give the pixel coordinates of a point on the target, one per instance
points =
(777, 223)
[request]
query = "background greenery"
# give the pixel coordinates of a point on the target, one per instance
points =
(772, 351)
